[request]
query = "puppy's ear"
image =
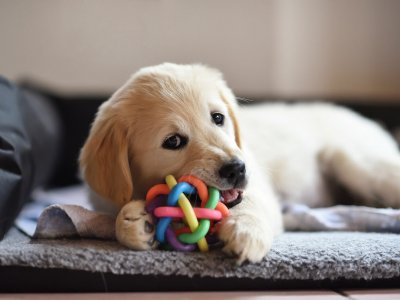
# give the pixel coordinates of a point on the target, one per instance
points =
(104, 159)
(230, 101)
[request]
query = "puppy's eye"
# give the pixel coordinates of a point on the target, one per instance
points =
(218, 118)
(175, 142)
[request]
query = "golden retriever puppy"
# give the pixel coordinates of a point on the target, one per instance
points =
(183, 119)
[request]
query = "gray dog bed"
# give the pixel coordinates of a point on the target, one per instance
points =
(295, 257)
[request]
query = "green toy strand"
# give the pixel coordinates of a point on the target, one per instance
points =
(204, 225)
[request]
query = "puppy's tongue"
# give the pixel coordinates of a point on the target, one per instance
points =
(230, 195)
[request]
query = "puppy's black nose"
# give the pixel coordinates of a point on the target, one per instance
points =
(234, 172)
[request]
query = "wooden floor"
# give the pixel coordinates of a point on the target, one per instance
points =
(279, 295)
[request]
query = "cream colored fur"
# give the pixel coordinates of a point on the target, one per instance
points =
(289, 151)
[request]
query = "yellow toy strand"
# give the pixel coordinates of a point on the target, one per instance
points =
(188, 212)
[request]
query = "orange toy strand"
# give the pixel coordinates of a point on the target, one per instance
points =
(158, 189)
(223, 209)
(200, 186)
(203, 193)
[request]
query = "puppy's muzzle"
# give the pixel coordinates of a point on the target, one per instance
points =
(234, 172)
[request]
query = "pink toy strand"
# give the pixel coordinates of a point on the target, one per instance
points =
(176, 212)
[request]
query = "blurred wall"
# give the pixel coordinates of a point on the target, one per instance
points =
(276, 48)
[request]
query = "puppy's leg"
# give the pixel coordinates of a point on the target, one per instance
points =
(371, 173)
(249, 230)
(134, 227)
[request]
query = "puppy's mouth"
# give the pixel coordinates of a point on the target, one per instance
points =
(231, 197)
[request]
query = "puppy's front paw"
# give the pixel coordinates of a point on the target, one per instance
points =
(245, 237)
(134, 227)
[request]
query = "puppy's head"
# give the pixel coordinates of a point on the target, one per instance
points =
(167, 119)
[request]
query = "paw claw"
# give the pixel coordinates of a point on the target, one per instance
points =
(148, 227)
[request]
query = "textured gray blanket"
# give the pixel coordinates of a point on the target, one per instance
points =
(294, 256)
(303, 256)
